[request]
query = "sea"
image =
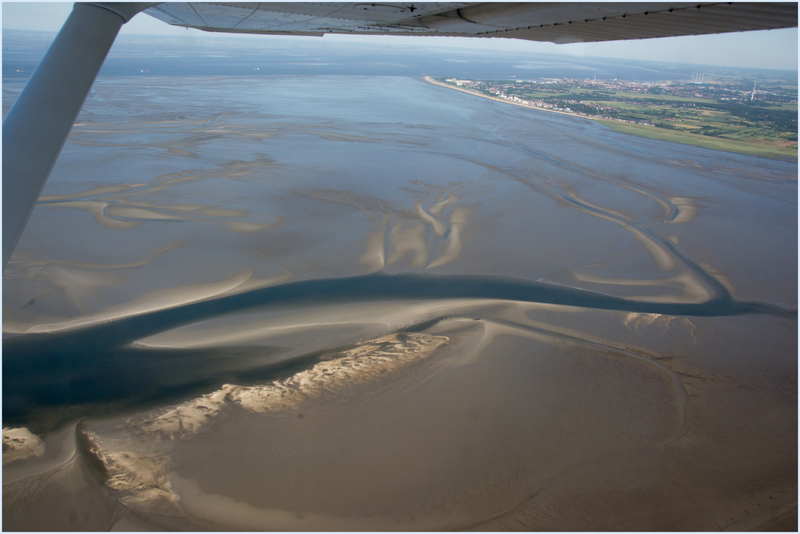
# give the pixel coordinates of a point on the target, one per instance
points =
(270, 55)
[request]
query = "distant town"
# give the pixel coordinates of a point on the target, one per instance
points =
(734, 111)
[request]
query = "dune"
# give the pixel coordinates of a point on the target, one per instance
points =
(693, 289)
(125, 212)
(313, 328)
(411, 240)
(147, 302)
(436, 209)
(219, 212)
(375, 256)
(98, 209)
(451, 250)
(686, 209)
(100, 190)
(438, 226)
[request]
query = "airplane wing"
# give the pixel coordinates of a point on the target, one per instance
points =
(557, 22)
(38, 123)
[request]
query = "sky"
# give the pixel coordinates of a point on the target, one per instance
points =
(773, 49)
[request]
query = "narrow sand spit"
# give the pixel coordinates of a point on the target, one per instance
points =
(152, 301)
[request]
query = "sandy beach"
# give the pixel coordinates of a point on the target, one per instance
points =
(496, 99)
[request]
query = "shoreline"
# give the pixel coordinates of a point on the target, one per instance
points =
(434, 82)
(646, 132)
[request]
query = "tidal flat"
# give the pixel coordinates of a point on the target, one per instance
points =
(372, 303)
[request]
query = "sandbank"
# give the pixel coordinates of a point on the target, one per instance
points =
(422, 428)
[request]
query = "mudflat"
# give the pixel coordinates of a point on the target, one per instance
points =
(306, 309)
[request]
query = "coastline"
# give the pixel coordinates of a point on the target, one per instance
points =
(434, 82)
(651, 132)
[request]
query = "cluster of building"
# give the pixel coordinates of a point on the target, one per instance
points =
(694, 89)
(562, 99)
(535, 103)
(501, 90)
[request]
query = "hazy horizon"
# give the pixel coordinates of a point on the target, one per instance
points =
(756, 49)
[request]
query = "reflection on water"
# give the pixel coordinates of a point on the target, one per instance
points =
(372, 303)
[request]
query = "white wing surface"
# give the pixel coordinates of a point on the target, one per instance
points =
(557, 22)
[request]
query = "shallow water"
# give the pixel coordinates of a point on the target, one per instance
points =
(334, 303)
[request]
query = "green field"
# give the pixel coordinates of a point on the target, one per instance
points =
(720, 116)
(592, 94)
(753, 148)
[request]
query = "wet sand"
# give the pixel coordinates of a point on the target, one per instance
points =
(217, 320)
